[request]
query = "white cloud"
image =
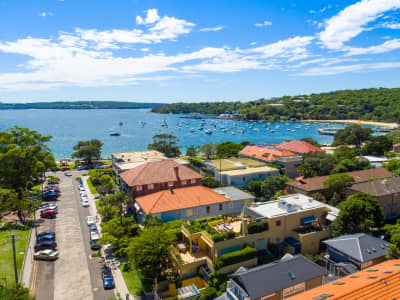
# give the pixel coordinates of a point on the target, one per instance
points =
(151, 17)
(145, 49)
(350, 21)
(265, 23)
(382, 48)
(391, 25)
(211, 29)
(292, 48)
(253, 43)
(312, 11)
(319, 71)
(43, 14)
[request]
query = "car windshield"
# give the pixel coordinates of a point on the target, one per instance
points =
(52, 252)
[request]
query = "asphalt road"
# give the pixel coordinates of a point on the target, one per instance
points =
(74, 275)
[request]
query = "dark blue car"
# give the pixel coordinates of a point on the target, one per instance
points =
(45, 245)
(108, 279)
(47, 232)
(47, 237)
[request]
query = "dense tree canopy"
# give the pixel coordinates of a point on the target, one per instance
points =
(88, 150)
(377, 145)
(358, 213)
(209, 149)
(367, 104)
(149, 251)
(165, 143)
(228, 149)
(191, 151)
(273, 184)
(352, 135)
(316, 164)
(337, 183)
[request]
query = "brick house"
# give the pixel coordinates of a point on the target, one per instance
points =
(157, 176)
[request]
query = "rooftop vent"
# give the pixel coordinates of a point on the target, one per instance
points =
(291, 275)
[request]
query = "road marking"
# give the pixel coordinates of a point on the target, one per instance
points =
(34, 276)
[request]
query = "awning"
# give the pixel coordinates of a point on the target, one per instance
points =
(307, 220)
(292, 242)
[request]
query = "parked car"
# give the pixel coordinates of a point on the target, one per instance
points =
(85, 203)
(47, 232)
(50, 206)
(94, 244)
(48, 214)
(108, 279)
(49, 198)
(89, 220)
(53, 182)
(45, 245)
(79, 168)
(81, 188)
(64, 169)
(46, 254)
(47, 237)
(93, 228)
(68, 174)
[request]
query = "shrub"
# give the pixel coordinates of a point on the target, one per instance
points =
(256, 227)
(235, 257)
(208, 293)
(126, 267)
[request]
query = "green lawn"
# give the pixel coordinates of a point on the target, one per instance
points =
(92, 188)
(132, 282)
(6, 254)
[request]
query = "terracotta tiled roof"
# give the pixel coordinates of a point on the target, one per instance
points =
(265, 153)
(379, 282)
(298, 147)
(158, 172)
(316, 183)
(179, 198)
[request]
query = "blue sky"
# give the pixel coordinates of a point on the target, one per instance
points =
(169, 51)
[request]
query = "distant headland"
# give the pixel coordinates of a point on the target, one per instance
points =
(79, 105)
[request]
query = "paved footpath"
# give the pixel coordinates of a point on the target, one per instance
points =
(118, 278)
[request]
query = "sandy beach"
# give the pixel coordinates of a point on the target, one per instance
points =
(382, 124)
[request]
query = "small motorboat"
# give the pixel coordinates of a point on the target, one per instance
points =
(115, 133)
(120, 123)
(208, 131)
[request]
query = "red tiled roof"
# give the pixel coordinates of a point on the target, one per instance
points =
(316, 183)
(179, 198)
(379, 282)
(298, 147)
(158, 172)
(265, 153)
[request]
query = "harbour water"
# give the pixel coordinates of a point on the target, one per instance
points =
(138, 126)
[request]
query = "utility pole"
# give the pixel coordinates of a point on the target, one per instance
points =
(15, 257)
(34, 216)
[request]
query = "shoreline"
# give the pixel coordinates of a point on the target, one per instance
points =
(382, 124)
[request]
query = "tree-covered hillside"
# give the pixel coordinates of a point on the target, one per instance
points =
(367, 104)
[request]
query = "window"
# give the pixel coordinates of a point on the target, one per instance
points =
(221, 207)
(230, 204)
(278, 223)
(189, 212)
(183, 182)
(193, 181)
(139, 188)
(171, 183)
(208, 209)
(150, 186)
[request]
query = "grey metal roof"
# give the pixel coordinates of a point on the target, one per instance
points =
(273, 277)
(359, 246)
(233, 193)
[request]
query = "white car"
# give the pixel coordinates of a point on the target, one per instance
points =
(81, 188)
(89, 220)
(85, 203)
(68, 174)
(46, 254)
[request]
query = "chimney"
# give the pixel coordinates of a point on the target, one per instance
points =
(176, 172)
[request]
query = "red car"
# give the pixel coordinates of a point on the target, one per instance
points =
(64, 169)
(48, 214)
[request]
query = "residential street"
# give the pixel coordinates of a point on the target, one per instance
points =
(74, 275)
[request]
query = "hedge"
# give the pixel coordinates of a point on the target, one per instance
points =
(257, 227)
(235, 257)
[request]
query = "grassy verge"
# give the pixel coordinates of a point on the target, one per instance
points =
(92, 188)
(132, 281)
(6, 253)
